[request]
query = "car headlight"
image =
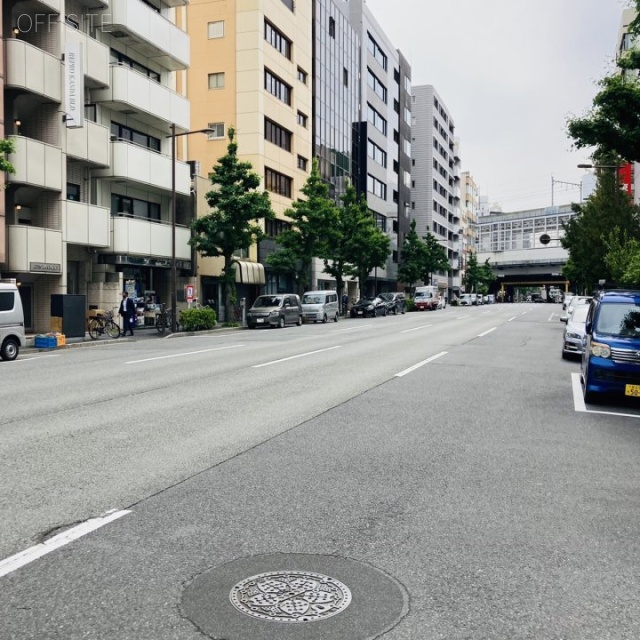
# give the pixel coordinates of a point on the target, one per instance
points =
(370, 307)
(575, 336)
(274, 313)
(600, 350)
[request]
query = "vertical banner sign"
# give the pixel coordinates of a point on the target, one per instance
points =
(74, 85)
(626, 177)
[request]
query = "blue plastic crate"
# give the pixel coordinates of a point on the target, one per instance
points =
(46, 342)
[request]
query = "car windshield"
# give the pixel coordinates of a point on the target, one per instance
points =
(580, 314)
(423, 294)
(312, 300)
(268, 301)
(386, 296)
(619, 319)
(365, 301)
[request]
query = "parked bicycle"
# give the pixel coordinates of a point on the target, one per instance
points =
(102, 324)
(164, 320)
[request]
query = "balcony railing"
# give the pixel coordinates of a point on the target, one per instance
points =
(36, 163)
(89, 143)
(32, 69)
(86, 224)
(135, 236)
(34, 249)
(95, 56)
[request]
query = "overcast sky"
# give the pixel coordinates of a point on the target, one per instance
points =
(510, 73)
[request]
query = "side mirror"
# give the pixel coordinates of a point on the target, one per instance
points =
(588, 328)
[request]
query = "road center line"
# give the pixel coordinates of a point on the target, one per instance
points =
(510, 319)
(420, 364)
(461, 317)
(482, 335)
(186, 353)
(300, 355)
(33, 553)
(424, 326)
(362, 326)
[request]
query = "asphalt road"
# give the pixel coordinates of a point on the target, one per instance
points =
(442, 450)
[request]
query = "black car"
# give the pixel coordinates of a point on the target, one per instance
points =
(369, 307)
(395, 302)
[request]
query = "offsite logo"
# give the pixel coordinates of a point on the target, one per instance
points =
(44, 22)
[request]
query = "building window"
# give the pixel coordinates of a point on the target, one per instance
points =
(376, 153)
(125, 61)
(73, 192)
(275, 227)
(277, 135)
(288, 4)
(406, 147)
(407, 116)
(277, 182)
(277, 87)
(218, 130)
(277, 40)
(303, 120)
(407, 84)
(303, 163)
(215, 29)
(376, 120)
(345, 77)
(127, 206)
(376, 52)
(122, 132)
(332, 27)
(376, 187)
(374, 83)
(216, 80)
(303, 76)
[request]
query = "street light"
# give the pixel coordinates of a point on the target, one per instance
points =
(174, 296)
(606, 166)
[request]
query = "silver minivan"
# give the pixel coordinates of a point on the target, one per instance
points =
(277, 310)
(320, 306)
(11, 321)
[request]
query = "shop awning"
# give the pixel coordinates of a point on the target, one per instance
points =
(249, 272)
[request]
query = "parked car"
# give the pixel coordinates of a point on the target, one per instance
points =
(491, 298)
(396, 302)
(466, 300)
(320, 306)
(566, 300)
(275, 311)
(575, 301)
(611, 350)
(369, 306)
(574, 332)
(12, 335)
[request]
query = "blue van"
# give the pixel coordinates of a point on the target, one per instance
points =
(611, 349)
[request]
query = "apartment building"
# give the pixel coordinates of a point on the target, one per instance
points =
(469, 203)
(89, 99)
(436, 179)
(382, 83)
(251, 69)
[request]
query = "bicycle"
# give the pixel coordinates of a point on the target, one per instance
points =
(164, 321)
(101, 324)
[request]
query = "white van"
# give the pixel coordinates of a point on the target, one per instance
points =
(427, 298)
(11, 321)
(320, 306)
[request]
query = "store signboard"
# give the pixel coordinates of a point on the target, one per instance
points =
(189, 293)
(73, 85)
(45, 267)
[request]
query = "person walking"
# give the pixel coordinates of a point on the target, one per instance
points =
(127, 311)
(345, 303)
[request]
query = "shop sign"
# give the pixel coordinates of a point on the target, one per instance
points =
(45, 267)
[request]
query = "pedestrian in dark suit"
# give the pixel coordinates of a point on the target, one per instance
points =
(128, 312)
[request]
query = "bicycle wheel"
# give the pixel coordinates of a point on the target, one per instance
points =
(113, 330)
(161, 323)
(95, 328)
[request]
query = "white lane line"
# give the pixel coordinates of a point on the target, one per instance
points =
(486, 333)
(53, 355)
(523, 313)
(424, 326)
(420, 364)
(362, 326)
(485, 312)
(300, 355)
(33, 553)
(580, 406)
(461, 317)
(510, 319)
(186, 353)
(218, 335)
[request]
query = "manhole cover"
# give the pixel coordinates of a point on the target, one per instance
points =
(290, 596)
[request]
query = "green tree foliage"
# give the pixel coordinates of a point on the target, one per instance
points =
(198, 319)
(309, 234)
(6, 147)
(587, 234)
(623, 258)
(487, 277)
(410, 267)
(433, 257)
(232, 224)
(477, 277)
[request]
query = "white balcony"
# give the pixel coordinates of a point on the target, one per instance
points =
(145, 99)
(86, 224)
(95, 57)
(95, 4)
(36, 164)
(142, 165)
(34, 250)
(139, 27)
(46, 6)
(133, 236)
(89, 143)
(34, 70)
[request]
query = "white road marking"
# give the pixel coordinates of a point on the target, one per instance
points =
(186, 353)
(52, 355)
(300, 355)
(33, 553)
(523, 313)
(485, 312)
(420, 364)
(362, 326)
(218, 335)
(424, 326)
(580, 406)
(461, 317)
(510, 319)
(551, 317)
(482, 335)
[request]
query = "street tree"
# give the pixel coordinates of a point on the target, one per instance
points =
(433, 258)
(487, 277)
(473, 274)
(311, 221)
(410, 268)
(232, 225)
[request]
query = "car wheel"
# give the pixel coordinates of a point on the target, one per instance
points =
(565, 356)
(324, 318)
(395, 311)
(281, 322)
(336, 318)
(9, 349)
(384, 311)
(299, 323)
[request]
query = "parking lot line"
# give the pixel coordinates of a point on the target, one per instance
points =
(581, 407)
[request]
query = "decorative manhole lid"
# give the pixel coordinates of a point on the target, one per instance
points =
(290, 596)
